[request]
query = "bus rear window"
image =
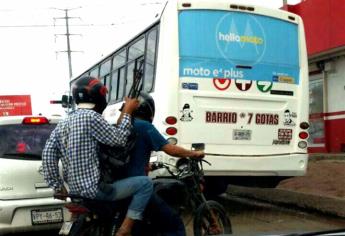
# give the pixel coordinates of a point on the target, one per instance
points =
(237, 45)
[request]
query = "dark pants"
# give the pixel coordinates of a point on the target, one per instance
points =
(161, 219)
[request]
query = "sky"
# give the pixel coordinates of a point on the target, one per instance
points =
(32, 39)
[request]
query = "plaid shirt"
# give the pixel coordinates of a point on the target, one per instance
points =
(75, 142)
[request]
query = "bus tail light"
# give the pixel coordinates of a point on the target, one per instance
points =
(35, 121)
(171, 130)
(304, 125)
(171, 120)
(172, 141)
(303, 135)
(302, 144)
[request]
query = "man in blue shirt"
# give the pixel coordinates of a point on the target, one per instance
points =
(75, 141)
(149, 139)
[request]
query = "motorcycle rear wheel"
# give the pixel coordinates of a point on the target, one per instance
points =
(93, 228)
(211, 219)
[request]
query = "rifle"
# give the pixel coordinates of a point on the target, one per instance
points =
(137, 86)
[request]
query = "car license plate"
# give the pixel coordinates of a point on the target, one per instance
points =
(242, 134)
(46, 216)
(66, 228)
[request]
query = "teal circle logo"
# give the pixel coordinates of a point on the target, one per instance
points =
(240, 37)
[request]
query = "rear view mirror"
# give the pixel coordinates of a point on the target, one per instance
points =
(198, 146)
(66, 101)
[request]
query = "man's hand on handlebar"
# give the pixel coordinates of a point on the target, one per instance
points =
(197, 154)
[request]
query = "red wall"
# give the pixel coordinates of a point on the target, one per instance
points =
(324, 23)
(334, 134)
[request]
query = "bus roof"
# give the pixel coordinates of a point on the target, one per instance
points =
(239, 7)
(157, 19)
(208, 4)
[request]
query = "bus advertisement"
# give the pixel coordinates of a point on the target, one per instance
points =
(235, 79)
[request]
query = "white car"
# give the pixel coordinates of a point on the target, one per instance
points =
(26, 201)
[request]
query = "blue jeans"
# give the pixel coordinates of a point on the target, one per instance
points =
(164, 220)
(139, 188)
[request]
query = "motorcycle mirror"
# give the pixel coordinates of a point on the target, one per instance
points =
(198, 146)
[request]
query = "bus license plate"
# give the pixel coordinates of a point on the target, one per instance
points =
(46, 216)
(240, 134)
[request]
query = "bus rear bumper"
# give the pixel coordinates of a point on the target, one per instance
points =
(273, 165)
(256, 165)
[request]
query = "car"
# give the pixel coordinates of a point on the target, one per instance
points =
(26, 201)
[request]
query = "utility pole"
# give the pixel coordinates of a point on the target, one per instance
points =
(67, 34)
(69, 54)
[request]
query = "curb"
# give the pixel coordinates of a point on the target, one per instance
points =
(286, 198)
(323, 156)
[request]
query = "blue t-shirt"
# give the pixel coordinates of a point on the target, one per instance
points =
(148, 139)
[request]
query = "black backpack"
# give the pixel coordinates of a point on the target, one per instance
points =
(113, 160)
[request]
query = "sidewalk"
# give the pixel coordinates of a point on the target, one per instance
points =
(322, 189)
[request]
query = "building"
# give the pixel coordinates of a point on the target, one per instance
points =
(324, 22)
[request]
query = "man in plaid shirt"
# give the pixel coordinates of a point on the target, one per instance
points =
(75, 142)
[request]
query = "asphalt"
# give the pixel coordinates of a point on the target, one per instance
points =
(292, 199)
(286, 198)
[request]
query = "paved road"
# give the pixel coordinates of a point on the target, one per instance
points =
(254, 218)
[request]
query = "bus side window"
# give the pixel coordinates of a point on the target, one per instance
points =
(118, 78)
(113, 87)
(129, 81)
(117, 84)
(94, 72)
(105, 74)
(107, 84)
(150, 60)
(121, 83)
(84, 75)
(135, 52)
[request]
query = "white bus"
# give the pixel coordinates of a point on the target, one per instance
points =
(228, 76)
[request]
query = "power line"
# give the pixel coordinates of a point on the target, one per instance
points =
(26, 9)
(25, 26)
(52, 25)
(74, 25)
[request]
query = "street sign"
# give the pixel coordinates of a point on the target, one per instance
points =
(264, 86)
(243, 85)
(221, 83)
(15, 105)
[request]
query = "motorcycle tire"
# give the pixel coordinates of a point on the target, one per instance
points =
(91, 230)
(211, 219)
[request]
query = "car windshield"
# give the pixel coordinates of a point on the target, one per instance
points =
(23, 141)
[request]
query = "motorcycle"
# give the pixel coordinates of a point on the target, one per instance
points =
(182, 190)
(184, 193)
